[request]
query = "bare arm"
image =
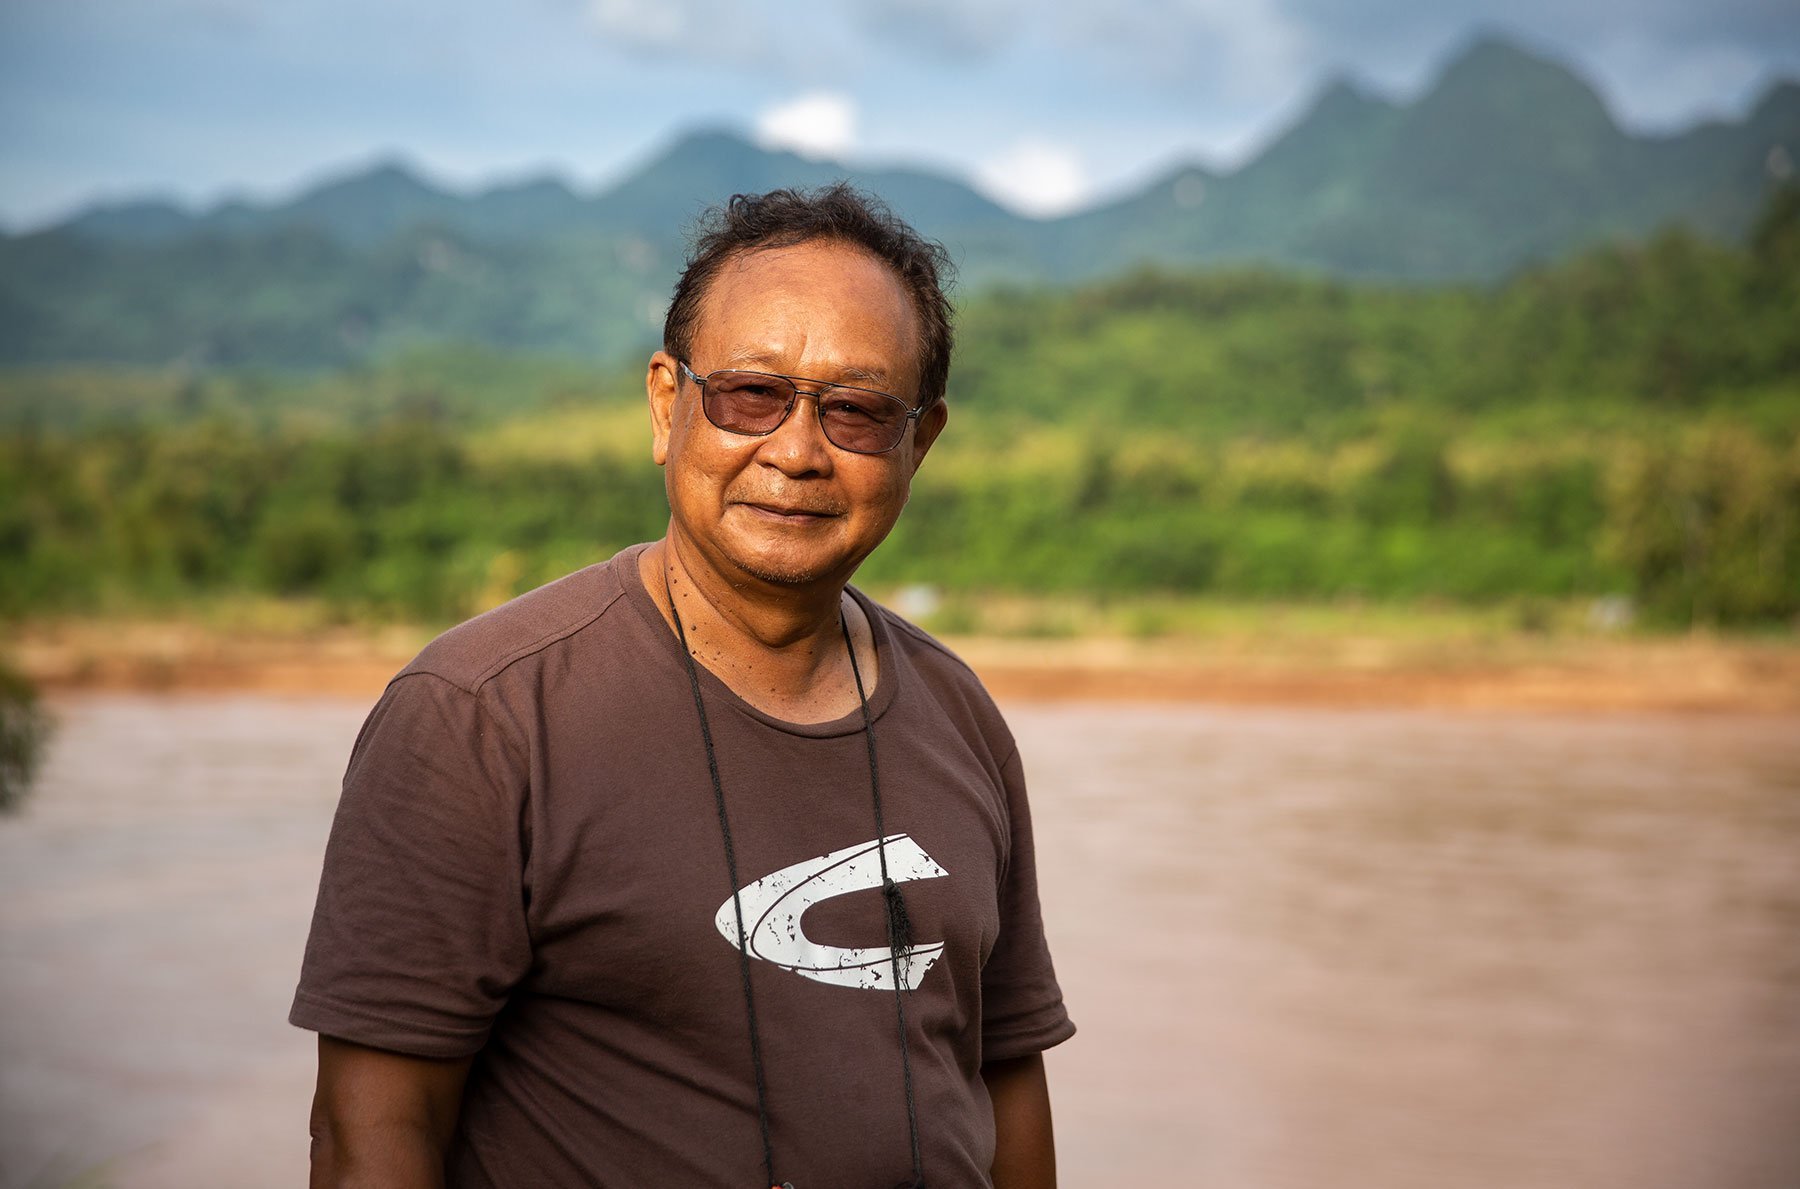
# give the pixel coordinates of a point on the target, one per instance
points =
(1024, 1146)
(382, 1119)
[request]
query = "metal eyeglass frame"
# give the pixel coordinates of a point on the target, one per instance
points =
(819, 389)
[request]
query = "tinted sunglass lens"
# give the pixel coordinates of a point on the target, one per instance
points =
(746, 402)
(863, 422)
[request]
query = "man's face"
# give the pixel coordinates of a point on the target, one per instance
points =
(789, 508)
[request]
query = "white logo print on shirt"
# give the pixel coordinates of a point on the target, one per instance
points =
(774, 904)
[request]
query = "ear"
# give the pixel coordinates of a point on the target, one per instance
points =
(661, 384)
(931, 424)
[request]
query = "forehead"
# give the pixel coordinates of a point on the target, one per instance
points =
(821, 304)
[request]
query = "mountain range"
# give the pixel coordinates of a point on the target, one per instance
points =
(1505, 160)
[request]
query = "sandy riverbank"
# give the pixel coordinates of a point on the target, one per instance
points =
(1695, 672)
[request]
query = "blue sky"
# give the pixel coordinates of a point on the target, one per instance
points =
(1045, 105)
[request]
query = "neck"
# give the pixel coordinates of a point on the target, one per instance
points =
(780, 649)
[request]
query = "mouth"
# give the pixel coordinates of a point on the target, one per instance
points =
(791, 514)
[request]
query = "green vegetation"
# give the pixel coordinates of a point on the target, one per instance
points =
(1624, 423)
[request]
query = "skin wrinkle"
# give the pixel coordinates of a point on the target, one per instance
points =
(856, 377)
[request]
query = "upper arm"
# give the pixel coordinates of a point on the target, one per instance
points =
(420, 932)
(1024, 1142)
(382, 1118)
(1022, 1008)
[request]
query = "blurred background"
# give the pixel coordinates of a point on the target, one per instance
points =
(1372, 490)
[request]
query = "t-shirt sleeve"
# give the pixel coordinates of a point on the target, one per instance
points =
(1021, 1004)
(419, 933)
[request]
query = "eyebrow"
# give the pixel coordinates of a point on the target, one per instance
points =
(851, 375)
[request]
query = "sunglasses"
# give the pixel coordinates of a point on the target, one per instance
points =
(756, 404)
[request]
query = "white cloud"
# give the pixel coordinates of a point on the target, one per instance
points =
(1228, 49)
(1036, 177)
(818, 124)
(959, 30)
(647, 24)
(1658, 87)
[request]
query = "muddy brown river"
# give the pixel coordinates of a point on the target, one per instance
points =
(1306, 949)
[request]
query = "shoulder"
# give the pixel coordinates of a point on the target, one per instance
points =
(937, 673)
(927, 653)
(473, 653)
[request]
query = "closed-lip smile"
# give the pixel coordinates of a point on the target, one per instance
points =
(788, 513)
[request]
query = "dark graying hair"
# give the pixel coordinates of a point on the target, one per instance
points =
(784, 218)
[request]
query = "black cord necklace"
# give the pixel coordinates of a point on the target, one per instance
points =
(899, 928)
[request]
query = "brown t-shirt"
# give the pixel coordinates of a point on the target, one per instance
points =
(527, 865)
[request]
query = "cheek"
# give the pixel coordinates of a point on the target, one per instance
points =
(885, 495)
(694, 461)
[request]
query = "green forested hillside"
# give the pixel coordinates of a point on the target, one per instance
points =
(1624, 423)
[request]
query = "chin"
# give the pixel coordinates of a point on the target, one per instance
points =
(794, 567)
(776, 574)
(787, 570)
(793, 558)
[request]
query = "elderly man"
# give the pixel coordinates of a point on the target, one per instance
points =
(697, 867)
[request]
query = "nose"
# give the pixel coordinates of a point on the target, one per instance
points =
(798, 445)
